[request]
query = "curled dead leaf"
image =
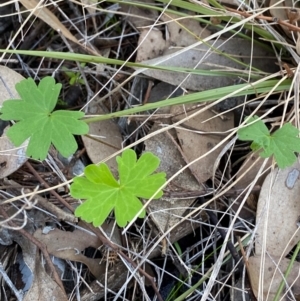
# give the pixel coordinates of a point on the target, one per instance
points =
(166, 213)
(69, 245)
(11, 158)
(271, 276)
(212, 61)
(180, 33)
(198, 135)
(103, 140)
(279, 226)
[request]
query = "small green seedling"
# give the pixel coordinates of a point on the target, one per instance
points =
(103, 193)
(37, 121)
(283, 143)
(74, 77)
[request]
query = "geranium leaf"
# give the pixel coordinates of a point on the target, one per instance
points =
(283, 143)
(103, 193)
(36, 121)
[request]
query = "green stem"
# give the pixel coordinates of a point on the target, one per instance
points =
(208, 95)
(87, 58)
(178, 249)
(286, 274)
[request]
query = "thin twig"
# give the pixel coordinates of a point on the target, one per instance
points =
(58, 212)
(54, 193)
(266, 18)
(115, 248)
(18, 294)
(40, 245)
(214, 220)
(233, 192)
(247, 268)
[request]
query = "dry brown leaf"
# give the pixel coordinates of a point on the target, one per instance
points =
(44, 287)
(151, 44)
(11, 158)
(108, 141)
(166, 213)
(169, 211)
(184, 32)
(281, 189)
(205, 58)
(272, 276)
(194, 145)
(171, 161)
(247, 179)
(48, 17)
(277, 217)
(78, 239)
(252, 173)
(69, 245)
(181, 33)
(139, 16)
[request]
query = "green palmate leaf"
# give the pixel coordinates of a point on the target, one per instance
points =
(35, 119)
(256, 132)
(283, 143)
(103, 193)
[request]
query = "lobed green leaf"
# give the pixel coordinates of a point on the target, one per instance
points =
(103, 193)
(283, 143)
(37, 122)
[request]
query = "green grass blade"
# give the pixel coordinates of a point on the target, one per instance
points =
(85, 58)
(287, 272)
(206, 11)
(209, 95)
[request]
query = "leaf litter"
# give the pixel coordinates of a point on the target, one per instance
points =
(277, 233)
(104, 138)
(167, 212)
(40, 285)
(11, 158)
(199, 135)
(176, 150)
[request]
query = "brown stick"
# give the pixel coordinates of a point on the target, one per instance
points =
(54, 193)
(41, 246)
(271, 19)
(247, 267)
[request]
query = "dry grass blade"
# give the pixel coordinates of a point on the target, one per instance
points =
(48, 17)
